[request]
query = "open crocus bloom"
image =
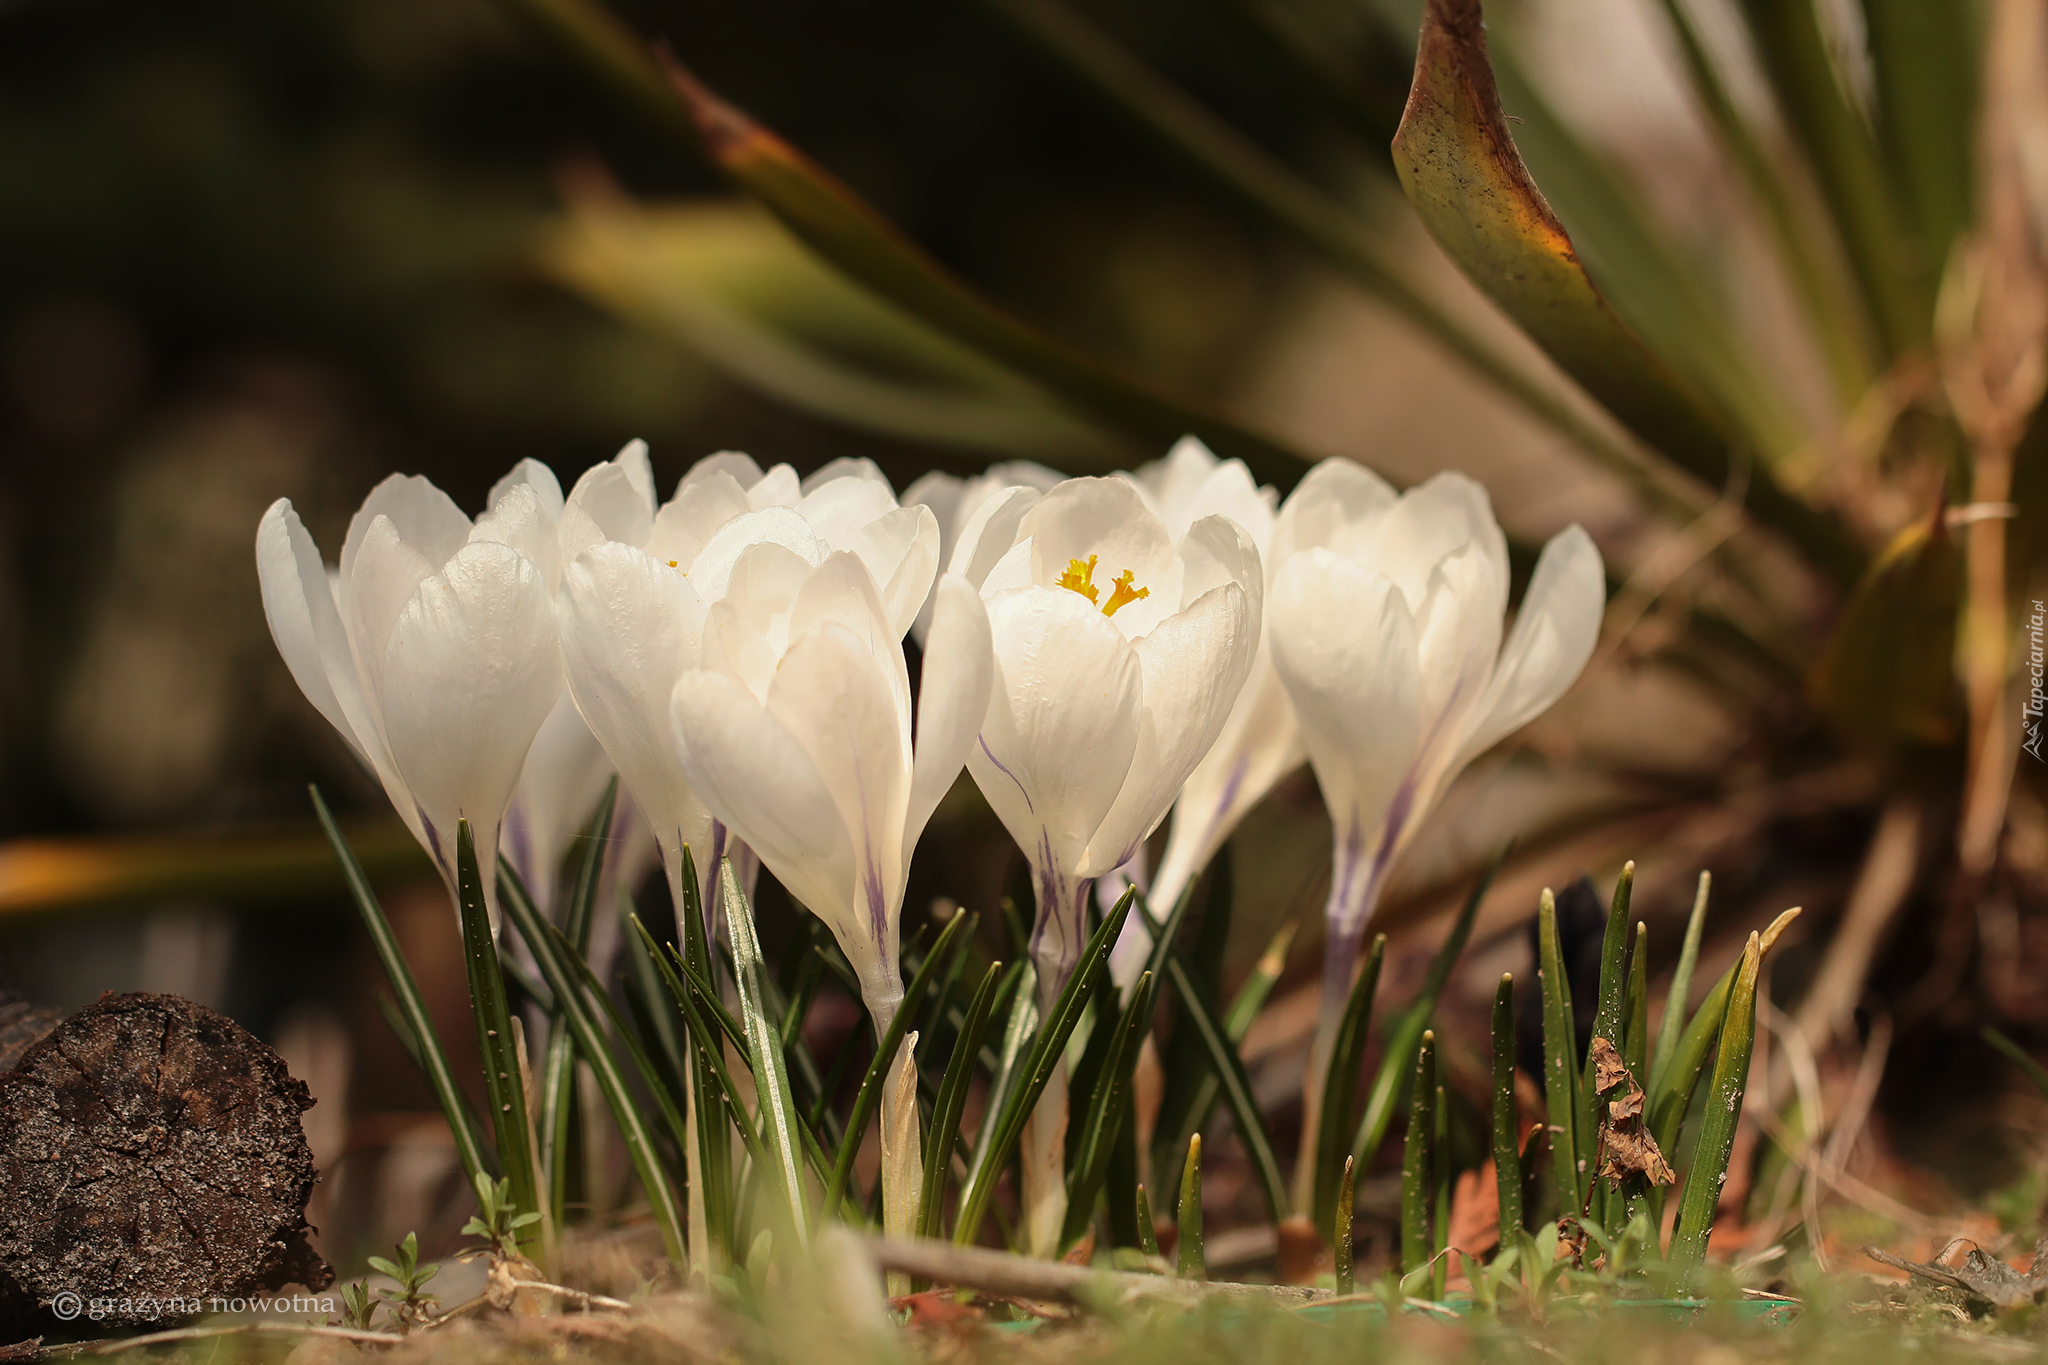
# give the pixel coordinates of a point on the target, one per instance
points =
(798, 736)
(1386, 628)
(1260, 743)
(432, 648)
(955, 500)
(641, 579)
(1119, 651)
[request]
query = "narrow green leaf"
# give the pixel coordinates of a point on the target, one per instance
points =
(953, 1086)
(710, 1159)
(783, 1147)
(558, 1072)
(1507, 1149)
(1418, 1184)
(419, 1024)
(1148, 1236)
(503, 1083)
(1389, 1085)
(1237, 1091)
(1668, 1102)
(869, 1098)
(598, 1053)
(1926, 60)
(1106, 1111)
(1636, 1017)
(1341, 1231)
(1340, 1085)
(1440, 1179)
(2017, 1055)
(1610, 1005)
(1560, 1061)
(1003, 1082)
(1036, 1070)
(1193, 1264)
(1460, 168)
(1675, 1002)
(1709, 1168)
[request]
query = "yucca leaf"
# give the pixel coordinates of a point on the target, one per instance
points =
(1560, 1061)
(782, 1147)
(1709, 1167)
(1793, 51)
(944, 1126)
(1047, 1046)
(503, 1082)
(1675, 1000)
(1460, 168)
(1340, 1085)
(1192, 1263)
(1237, 1090)
(1106, 1112)
(1389, 1084)
(598, 1052)
(1418, 1186)
(424, 1039)
(869, 1098)
(1507, 1150)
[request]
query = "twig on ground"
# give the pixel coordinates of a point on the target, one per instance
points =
(998, 1272)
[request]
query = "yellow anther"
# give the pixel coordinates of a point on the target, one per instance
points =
(1080, 578)
(671, 563)
(1122, 594)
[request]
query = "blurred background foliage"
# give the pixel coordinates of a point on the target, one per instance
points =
(259, 250)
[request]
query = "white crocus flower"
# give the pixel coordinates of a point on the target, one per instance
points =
(431, 648)
(1119, 651)
(798, 734)
(1386, 627)
(564, 779)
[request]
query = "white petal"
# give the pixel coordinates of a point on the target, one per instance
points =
(1335, 495)
(472, 671)
(1062, 724)
(685, 525)
(422, 515)
(782, 526)
(522, 520)
(838, 509)
(953, 695)
(742, 469)
(1354, 688)
(747, 629)
(632, 458)
(1554, 635)
(535, 475)
(616, 501)
(1457, 637)
(373, 594)
(1218, 550)
(1427, 525)
(858, 468)
(307, 628)
(990, 533)
(1195, 663)
(1102, 517)
(630, 627)
(901, 550)
(842, 592)
(758, 780)
(1171, 481)
(777, 488)
(564, 778)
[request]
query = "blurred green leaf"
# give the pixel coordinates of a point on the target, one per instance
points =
(1897, 281)
(781, 1147)
(1887, 673)
(1926, 60)
(952, 1098)
(1340, 1085)
(1237, 1090)
(1463, 173)
(1507, 1137)
(1106, 1111)
(728, 280)
(1709, 1168)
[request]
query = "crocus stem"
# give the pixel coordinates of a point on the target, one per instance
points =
(1340, 964)
(1056, 941)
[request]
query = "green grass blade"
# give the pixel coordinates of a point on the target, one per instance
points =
(2017, 1055)
(419, 1024)
(1611, 1004)
(1192, 1263)
(1673, 1023)
(1635, 1028)
(1340, 1085)
(558, 1072)
(503, 1083)
(1003, 1082)
(869, 1097)
(1341, 1230)
(1560, 1061)
(1709, 1168)
(1148, 1236)
(952, 1100)
(1036, 1071)
(1440, 1178)
(1507, 1148)
(1389, 1084)
(782, 1147)
(1237, 1091)
(1106, 1112)
(599, 1054)
(1417, 1184)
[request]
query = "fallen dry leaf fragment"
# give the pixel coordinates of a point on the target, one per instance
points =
(1626, 1147)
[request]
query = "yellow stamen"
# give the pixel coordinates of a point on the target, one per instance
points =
(1122, 594)
(1080, 578)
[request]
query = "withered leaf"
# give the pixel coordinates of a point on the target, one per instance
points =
(1630, 1150)
(1629, 1106)
(1608, 1068)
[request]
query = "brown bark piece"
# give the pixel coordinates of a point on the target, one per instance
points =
(152, 1156)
